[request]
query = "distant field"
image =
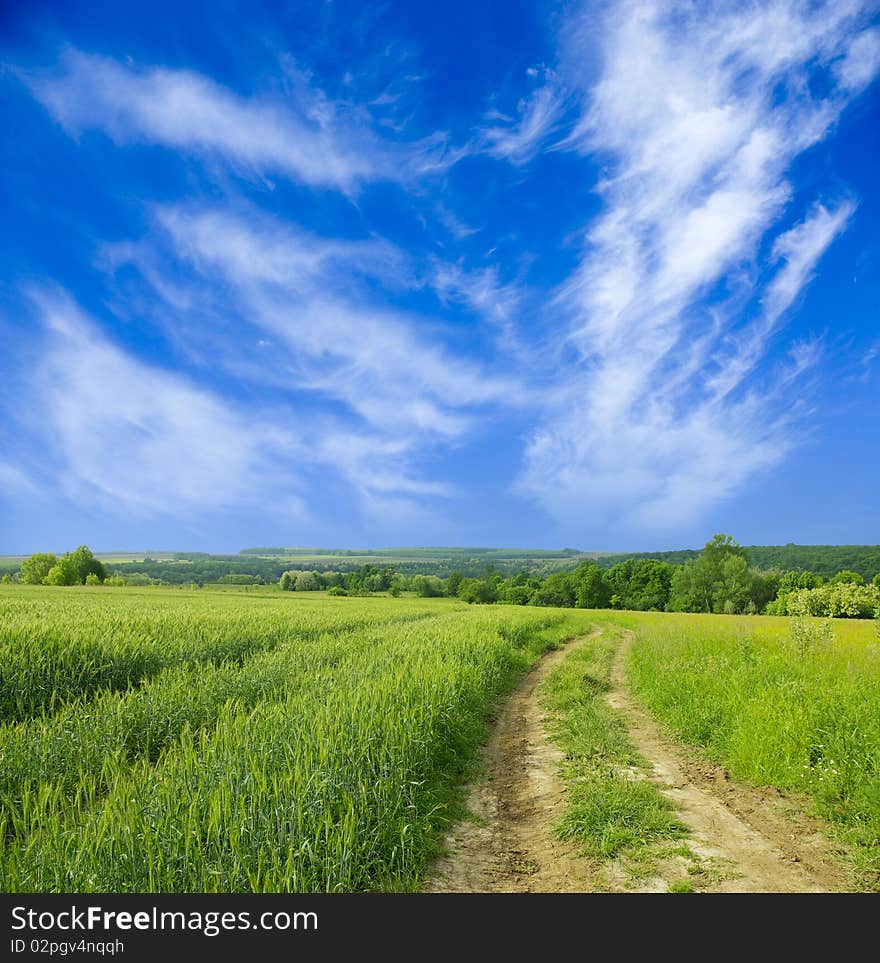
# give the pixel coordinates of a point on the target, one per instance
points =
(269, 562)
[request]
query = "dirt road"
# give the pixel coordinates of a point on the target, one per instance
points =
(755, 840)
(765, 843)
(508, 846)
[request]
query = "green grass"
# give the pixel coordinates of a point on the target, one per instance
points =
(59, 644)
(324, 754)
(613, 811)
(807, 723)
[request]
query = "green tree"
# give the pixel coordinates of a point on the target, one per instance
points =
(452, 583)
(306, 582)
(63, 573)
(35, 569)
(86, 564)
(686, 593)
(427, 586)
(641, 584)
(717, 580)
(592, 590)
(558, 589)
(479, 590)
(846, 577)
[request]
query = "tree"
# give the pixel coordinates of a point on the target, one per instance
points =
(846, 577)
(86, 564)
(591, 587)
(764, 588)
(63, 573)
(454, 581)
(877, 581)
(35, 569)
(558, 589)
(642, 584)
(306, 582)
(286, 582)
(513, 594)
(479, 590)
(717, 580)
(427, 586)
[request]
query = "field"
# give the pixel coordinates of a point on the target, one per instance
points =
(775, 710)
(168, 740)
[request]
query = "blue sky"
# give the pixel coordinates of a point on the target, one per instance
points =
(603, 275)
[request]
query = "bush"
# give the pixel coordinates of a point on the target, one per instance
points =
(843, 600)
(336, 590)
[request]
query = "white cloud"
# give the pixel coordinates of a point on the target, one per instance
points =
(697, 115)
(480, 289)
(142, 439)
(518, 140)
(14, 480)
(301, 292)
(304, 136)
(800, 249)
(131, 438)
(859, 65)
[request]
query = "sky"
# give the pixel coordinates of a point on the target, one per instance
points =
(520, 274)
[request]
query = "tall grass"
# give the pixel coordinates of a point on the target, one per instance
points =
(325, 764)
(774, 710)
(65, 644)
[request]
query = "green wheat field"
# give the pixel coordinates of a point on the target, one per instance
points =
(163, 740)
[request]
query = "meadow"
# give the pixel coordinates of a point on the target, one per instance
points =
(172, 741)
(779, 702)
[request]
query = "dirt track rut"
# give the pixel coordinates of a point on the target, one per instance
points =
(508, 846)
(759, 841)
(765, 843)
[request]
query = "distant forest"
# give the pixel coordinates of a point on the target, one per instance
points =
(267, 565)
(721, 578)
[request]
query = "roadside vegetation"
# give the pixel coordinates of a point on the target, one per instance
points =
(793, 704)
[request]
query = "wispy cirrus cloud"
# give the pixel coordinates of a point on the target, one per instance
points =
(127, 436)
(280, 358)
(303, 135)
(139, 438)
(518, 139)
(697, 116)
(300, 294)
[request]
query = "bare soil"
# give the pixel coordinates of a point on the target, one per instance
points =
(508, 847)
(764, 841)
(745, 839)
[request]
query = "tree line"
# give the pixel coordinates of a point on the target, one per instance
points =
(718, 579)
